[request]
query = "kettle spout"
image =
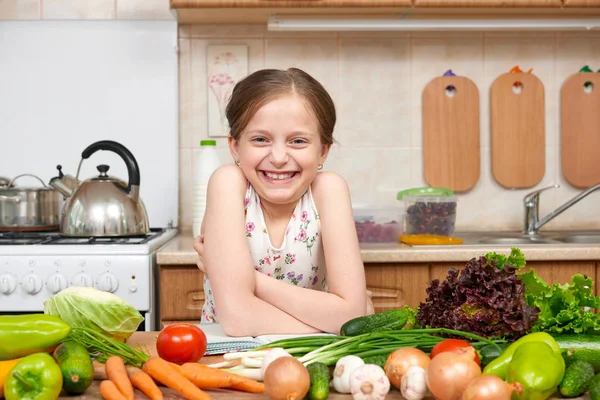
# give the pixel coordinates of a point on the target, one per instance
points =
(65, 184)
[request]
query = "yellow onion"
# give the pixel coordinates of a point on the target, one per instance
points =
(286, 378)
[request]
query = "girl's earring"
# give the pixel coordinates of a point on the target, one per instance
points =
(239, 164)
(319, 167)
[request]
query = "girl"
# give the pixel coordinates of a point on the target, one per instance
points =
(279, 242)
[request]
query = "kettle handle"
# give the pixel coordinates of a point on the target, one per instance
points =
(132, 165)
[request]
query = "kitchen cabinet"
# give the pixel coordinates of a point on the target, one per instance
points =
(394, 285)
(258, 11)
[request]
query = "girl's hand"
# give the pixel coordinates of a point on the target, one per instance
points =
(199, 247)
(370, 307)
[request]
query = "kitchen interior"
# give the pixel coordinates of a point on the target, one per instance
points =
(516, 156)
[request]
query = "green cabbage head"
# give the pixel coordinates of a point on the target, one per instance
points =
(95, 309)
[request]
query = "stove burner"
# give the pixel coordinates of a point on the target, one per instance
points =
(45, 238)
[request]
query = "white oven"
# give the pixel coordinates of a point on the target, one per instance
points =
(36, 265)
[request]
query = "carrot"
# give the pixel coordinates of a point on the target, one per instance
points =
(144, 382)
(208, 374)
(164, 373)
(109, 391)
(206, 379)
(116, 372)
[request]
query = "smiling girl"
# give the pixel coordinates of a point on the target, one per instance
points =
(279, 242)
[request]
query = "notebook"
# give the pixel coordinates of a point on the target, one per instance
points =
(219, 343)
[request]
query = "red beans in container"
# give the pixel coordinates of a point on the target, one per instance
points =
(379, 225)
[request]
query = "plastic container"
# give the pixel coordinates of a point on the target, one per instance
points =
(378, 225)
(429, 210)
(205, 162)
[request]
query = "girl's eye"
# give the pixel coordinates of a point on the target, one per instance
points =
(259, 140)
(299, 141)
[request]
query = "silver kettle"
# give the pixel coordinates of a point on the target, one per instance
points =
(102, 206)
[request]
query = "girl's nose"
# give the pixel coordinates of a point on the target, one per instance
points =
(279, 155)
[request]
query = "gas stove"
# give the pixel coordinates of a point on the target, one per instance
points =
(36, 265)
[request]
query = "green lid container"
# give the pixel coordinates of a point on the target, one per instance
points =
(208, 143)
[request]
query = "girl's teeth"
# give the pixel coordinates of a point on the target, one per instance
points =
(278, 176)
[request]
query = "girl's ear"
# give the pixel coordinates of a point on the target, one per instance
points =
(324, 152)
(233, 148)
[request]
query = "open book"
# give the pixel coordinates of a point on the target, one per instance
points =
(220, 343)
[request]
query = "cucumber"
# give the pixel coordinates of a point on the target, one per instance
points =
(76, 366)
(391, 319)
(490, 352)
(319, 381)
(577, 379)
(582, 347)
(594, 388)
(377, 360)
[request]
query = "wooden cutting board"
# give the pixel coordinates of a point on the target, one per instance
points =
(580, 129)
(517, 131)
(451, 133)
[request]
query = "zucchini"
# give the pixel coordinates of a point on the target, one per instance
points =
(319, 381)
(76, 366)
(594, 388)
(581, 347)
(490, 352)
(386, 320)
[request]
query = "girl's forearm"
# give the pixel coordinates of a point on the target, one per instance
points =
(257, 317)
(325, 311)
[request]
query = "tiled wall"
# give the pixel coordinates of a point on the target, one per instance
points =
(376, 80)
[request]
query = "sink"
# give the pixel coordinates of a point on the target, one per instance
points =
(508, 241)
(587, 239)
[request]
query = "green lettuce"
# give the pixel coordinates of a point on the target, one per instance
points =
(95, 309)
(564, 308)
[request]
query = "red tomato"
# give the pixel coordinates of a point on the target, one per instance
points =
(181, 343)
(456, 346)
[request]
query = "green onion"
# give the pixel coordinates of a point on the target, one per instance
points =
(328, 349)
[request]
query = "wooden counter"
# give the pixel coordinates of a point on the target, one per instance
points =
(147, 340)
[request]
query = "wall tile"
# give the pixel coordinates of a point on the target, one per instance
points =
(184, 31)
(185, 189)
(432, 57)
(374, 99)
(144, 9)
(199, 81)
(373, 174)
(19, 9)
(68, 9)
(186, 109)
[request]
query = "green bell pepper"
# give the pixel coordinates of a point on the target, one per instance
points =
(21, 335)
(35, 377)
(537, 368)
(499, 365)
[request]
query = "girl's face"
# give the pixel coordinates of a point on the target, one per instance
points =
(280, 150)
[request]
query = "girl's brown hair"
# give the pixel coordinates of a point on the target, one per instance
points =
(260, 87)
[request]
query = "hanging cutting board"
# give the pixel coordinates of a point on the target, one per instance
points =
(451, 133)
(580, 129)
(517, 130)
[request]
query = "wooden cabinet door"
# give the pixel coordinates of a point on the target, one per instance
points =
(181, 293)
(395, 285)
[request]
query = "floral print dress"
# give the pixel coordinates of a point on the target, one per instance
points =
(299, 261)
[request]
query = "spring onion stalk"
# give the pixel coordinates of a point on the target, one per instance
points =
(328, 349)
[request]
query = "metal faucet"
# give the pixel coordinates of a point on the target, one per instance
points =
(532, 201)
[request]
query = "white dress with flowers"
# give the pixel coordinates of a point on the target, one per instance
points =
(299, 261)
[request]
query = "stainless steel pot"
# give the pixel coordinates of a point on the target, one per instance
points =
(28, 208)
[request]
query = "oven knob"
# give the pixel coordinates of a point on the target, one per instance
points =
(108, 282)
(31, 283)
(8, 283)
(83, 280)
(56, 282)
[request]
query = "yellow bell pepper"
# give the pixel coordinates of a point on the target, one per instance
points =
(429, 239)
(5, 368)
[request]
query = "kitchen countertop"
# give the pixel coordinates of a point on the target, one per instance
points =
(147, 341)
(179, 251)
